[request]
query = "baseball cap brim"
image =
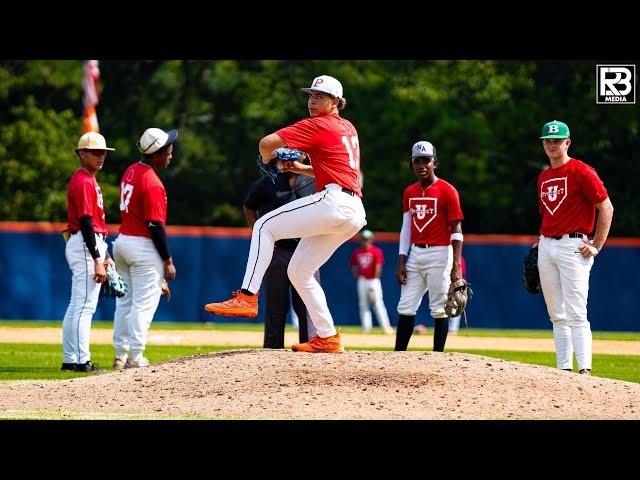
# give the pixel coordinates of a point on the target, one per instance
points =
(310, 90)
(172, 135)
(554, 136)
(95, 148)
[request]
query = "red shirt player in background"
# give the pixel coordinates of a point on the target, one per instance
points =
(86, 252)
(141, 250)
(430, 246)
(568, 195)
(323, 221)
(366, 265)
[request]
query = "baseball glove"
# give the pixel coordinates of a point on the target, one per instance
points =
(289, 154)
(530, 274)
(166, 291)
(114, 286)
(457, 298)
(284, 155)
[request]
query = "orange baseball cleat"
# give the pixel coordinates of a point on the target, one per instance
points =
(240, 305)
(318, 344)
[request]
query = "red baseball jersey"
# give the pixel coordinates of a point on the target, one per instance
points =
(567, 197)
(85, 198)
(332, 143)
(432, 209)
(142, 198)
(366, 259)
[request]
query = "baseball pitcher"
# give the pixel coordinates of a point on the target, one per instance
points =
(323, 221)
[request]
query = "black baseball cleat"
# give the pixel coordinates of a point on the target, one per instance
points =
(585, 371)
(68, 366)
(87, 367)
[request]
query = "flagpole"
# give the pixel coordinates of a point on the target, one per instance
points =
(90, 97)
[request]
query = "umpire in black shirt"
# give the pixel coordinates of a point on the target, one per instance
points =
(266, 195)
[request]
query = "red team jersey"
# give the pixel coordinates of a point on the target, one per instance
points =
(332, 143)
(432, 209)
(85, 198)
(366, 259)
(142, 198)
(567, 197)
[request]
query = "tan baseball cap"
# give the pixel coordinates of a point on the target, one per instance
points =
(92, 141)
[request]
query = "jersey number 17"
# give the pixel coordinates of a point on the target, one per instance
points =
(126, 190)
(353, 150)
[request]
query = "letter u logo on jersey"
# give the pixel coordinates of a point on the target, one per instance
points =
(423, 211)
(553, 192)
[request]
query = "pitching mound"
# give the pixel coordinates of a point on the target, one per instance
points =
(279, 384)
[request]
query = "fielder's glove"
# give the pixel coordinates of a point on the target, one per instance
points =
(459, 293)
(289, 154)
(166, 291)
(530, 274)
(114, 286)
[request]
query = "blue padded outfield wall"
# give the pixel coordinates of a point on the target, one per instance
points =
(35, 281)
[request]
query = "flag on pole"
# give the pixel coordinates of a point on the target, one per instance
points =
(91, 97)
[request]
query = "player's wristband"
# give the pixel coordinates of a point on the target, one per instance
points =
(457, 236)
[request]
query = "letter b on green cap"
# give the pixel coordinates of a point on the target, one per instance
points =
(555, 129)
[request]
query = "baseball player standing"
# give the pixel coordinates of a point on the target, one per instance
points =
(85, 251)
(323, 221)
(141, 250)
(366, 265)
(568, 195)
(430, 246)
(264, 196)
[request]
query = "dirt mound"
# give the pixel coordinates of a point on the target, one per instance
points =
(279, 384)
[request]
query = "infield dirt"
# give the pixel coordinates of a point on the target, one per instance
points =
(280, 384)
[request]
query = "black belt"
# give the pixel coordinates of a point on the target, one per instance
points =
(346, 190)
(423, 245)
(571, 235)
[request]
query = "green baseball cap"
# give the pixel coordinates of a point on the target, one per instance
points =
(555, 129)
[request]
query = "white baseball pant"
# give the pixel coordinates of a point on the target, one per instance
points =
(564, 277)
(76, 325)
(323, 221)
(428, 269)
(139, 263)
(364, 301)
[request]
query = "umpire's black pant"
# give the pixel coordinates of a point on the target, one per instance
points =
(276, 286)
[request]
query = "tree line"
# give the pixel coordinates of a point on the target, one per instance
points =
(483, 116)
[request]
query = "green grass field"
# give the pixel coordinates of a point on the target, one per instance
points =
(258, 327)
(42, 362)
